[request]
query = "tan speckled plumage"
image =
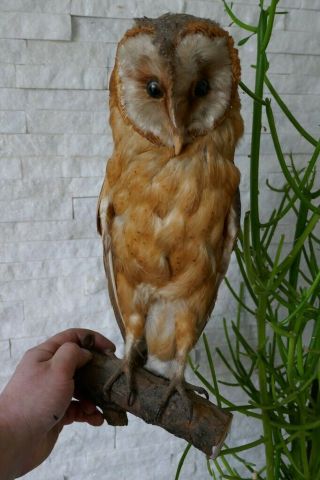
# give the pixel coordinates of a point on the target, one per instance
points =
(168, 208)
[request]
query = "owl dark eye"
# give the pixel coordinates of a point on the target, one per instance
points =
(154, 89)
(202, 88)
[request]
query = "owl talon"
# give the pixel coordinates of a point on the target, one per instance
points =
(132, 392)
(132, 397)
(109, 383)
(197, 389)
(160, 412)
(182, 389)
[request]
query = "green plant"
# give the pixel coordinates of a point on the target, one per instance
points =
(280, 294)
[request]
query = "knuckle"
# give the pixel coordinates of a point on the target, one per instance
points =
(71, 347)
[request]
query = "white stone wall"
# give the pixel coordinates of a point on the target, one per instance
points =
(55, 59)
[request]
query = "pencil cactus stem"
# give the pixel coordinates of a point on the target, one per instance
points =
(256, 136)
(237, 21)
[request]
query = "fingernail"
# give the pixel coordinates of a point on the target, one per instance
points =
(88, 341)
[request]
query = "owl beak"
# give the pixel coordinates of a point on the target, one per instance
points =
(178, 133)
(178, 141)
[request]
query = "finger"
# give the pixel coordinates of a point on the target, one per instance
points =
(68, 358)
(47, 349)
(77, 335)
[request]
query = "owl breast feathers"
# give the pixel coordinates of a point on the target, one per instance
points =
(168, 210)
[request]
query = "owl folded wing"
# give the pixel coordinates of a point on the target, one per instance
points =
(103, 220)
(231, 230)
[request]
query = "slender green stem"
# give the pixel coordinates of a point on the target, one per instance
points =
(182, 460)
(300, 226)
(245, 276)
(288, 113)
(298, 427)
(304, 301)
(239, 300)
(237, 21)
(247, 446)
(256, 136)
(264, 397)
(251, 93)
(277, 146)
(268, 32)
(285, 265)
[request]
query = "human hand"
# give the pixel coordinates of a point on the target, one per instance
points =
(37, 402)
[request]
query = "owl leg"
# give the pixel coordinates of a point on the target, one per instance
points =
(185, 339)
(134, 334)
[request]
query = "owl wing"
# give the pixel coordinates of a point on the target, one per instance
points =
(104, 217)
(230, 234)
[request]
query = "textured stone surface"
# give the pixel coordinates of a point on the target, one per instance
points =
(48, 121)
(305, 42)
(285, 64)
(35, 25)
(63, 166)
(299, 83)
(63, 77)
(55, 58)
(10, 168)
(99, 29)
(36, 6)
(12, 99)
(12, 122)
(12, 51)
(122, 8)
(314, 5)
(65, 100)
(7, 76)
(62, 53)
(297, 20)
(12, 145)
(79, 145)
(47, 230)
(29, 209)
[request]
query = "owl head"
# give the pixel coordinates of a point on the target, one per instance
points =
(175, 78)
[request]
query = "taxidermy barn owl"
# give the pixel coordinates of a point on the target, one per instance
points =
(168, 210)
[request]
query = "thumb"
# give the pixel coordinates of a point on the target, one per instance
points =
(68, 358)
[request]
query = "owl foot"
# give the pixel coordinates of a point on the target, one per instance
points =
(126, 369)
(176, 385)
(182, 387)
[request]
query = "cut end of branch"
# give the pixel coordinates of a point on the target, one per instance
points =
(217, 448)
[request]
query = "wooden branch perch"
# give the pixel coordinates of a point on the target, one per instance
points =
(209, 424)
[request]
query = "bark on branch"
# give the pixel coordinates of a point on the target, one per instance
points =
(206, 430)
